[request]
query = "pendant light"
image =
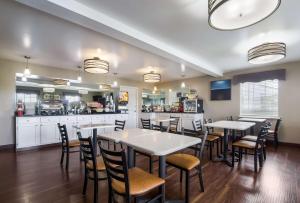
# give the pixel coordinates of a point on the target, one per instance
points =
(27, 71)
(115, 82)
(267, 53)
(79, 78)
(152, 77)
(182, 83)
(96, 65)
(236, 14)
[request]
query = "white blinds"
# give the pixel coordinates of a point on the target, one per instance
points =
(259, 99)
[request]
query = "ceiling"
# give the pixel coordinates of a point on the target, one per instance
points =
(136, 34)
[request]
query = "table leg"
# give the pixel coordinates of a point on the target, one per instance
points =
(162, 167)
(225, 143)
(161, 126)
(130, 155)
(95, 140)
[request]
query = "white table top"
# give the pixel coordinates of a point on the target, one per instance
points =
(256, 120)
(163, 120)
(232, 125)
(152, 142)
(93, 126)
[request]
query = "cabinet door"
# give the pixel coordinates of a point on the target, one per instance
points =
(27, 135)
(49, 133)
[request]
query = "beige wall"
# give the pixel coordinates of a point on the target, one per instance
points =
(289, 99)
(8, 69)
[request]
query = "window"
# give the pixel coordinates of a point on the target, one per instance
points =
(72, 98)
(27, 97)
(259, 99)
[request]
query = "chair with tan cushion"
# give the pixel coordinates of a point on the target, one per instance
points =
(256, 147)
(67, 146)
(94, 167)
(273, 134)
(187, 163)
(130, 183)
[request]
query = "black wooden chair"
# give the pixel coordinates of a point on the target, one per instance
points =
(94, 167)
(131, 183)
(146, 123)
(67, 146)
(120, 125)
(187, 163)
(256, 147)
(273, 134)
(173, 126)
(211, 138)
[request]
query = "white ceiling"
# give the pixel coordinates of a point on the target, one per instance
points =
(167, 33)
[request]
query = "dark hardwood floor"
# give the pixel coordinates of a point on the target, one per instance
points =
(36, 176)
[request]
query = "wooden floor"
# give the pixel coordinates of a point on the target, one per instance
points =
(37, 177)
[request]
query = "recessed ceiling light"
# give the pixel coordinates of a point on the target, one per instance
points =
(267, 53)
(236, 14)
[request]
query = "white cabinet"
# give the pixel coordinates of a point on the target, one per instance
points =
(69, 121)
(27, 132)
(49, 131)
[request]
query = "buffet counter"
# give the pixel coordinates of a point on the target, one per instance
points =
(34, 131)
(185, 119)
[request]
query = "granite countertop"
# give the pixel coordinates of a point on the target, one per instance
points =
(102, 113)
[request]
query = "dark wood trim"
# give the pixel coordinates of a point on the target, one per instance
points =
(289, 144)
(7, 147)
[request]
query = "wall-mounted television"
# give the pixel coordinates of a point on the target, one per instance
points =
(220, 90)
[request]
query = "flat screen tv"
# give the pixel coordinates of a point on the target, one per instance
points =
(220, 90)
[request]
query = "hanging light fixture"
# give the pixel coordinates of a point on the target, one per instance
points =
(115, 82)
(96, 65)
(182, 83)
(24, 79)
(79, 78)
(152, 77)
(27, 71)
(104, 87)
(267, 53)
(236, 14)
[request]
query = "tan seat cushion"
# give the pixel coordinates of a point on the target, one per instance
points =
(140, 182)
(245, 144)
(185, 161)
(73, 143)
(252, 138)
(212, 138)
(217, 133)
(100, 164)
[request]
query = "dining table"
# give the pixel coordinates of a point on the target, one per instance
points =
(95, 128)
(229, 125)
(161, 120)
(255, 120)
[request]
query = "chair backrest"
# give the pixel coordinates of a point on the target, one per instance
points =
(87, 150)
(116, 168)
(229, 118)
(262, 135)
(146, 123)
(63, 135)
(174, 124)
(209, 120)
(278, 121)
(120, 125)
(197, 125)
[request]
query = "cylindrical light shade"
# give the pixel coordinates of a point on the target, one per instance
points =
(236, 14)
(48, 89)
(267, 53)
(96, 65)
(152, 77)
(104, 87)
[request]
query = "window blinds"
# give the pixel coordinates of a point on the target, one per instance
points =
(259, 98)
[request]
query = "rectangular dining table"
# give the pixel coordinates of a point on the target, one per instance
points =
(152, 142)
(255, 120)
(160, 121)
(229, 125)
(94, 127)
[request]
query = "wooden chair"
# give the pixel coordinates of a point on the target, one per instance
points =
(146, 123)
(256, 147)
(273, 134)
(186, 163)
(94, 167)
(67, 146)
(173, 126)
(129, 183)
(211, 139)
(120, 125)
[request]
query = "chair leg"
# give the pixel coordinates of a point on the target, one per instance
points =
(200, 178)
(210, 150)
(181, 175)
(162, 192)
(62, 157)
(218, 148)
(265, 153)
(275, 140)
(232, 159)
(221, 145)
(115, 146)
(85, 181)
(67, 161)
(110, 194)
(134, 158)
(150, 164)
(187, 186)
(260, 159)
(96, 189)
(240, 154)
(255, 161)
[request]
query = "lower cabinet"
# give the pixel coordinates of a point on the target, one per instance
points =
(28, 135)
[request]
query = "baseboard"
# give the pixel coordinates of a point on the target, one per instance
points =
(289, 144)
(7, 147)
(38, 147)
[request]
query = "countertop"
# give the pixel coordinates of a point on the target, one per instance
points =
(102, 113)
(175, 112)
